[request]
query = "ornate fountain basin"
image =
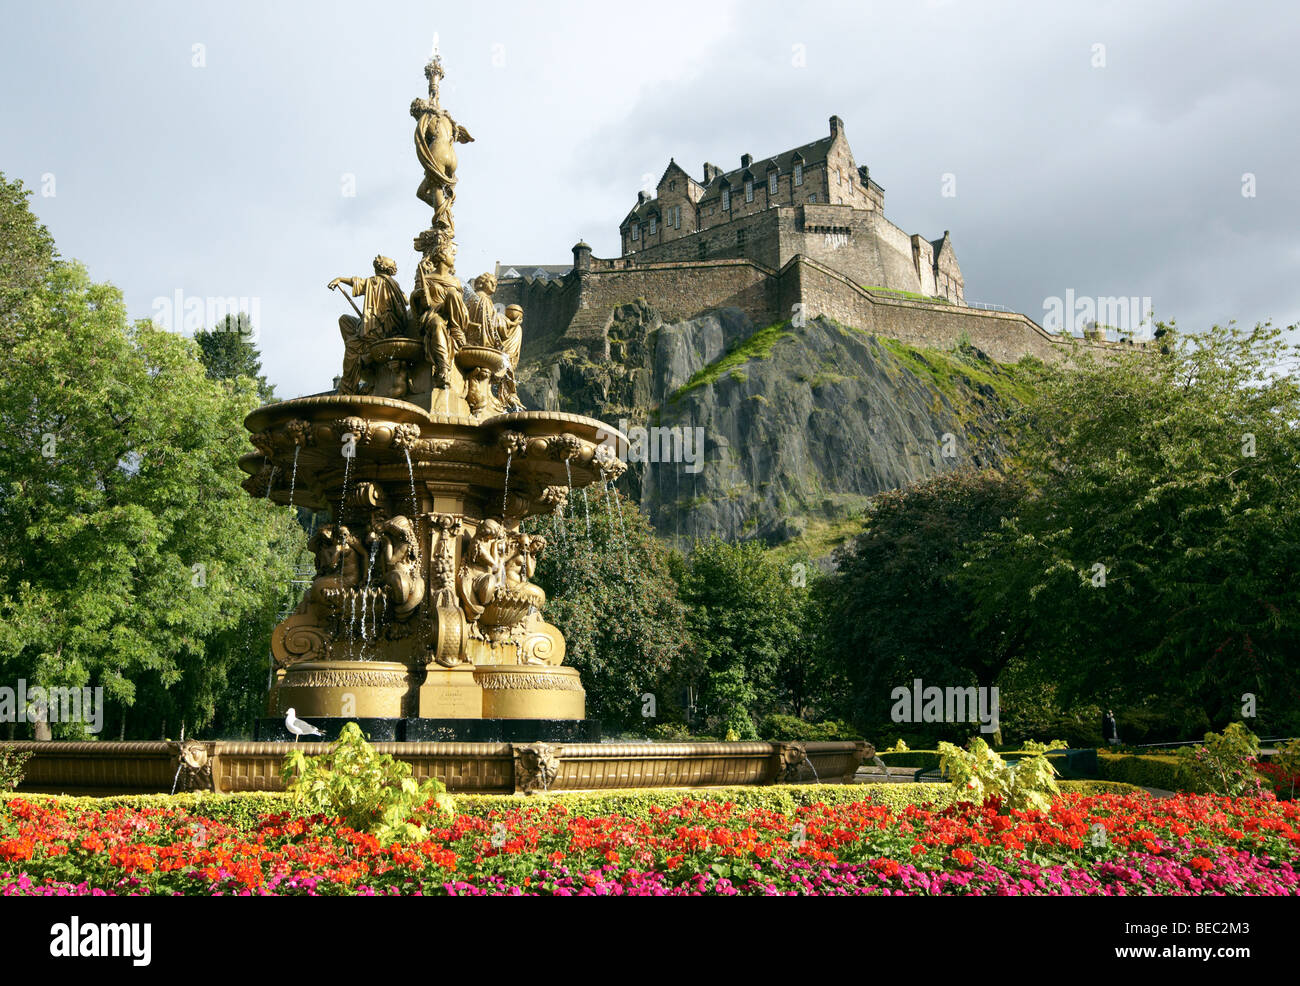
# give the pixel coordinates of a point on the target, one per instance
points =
(369, 440)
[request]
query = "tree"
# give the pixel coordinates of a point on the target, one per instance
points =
(26, 251)
(1153, 560)
(745, 617)
(612, 594)
(126, 542)
(894, 607)
(228, 351)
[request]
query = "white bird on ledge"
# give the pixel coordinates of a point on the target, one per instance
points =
(298, 727)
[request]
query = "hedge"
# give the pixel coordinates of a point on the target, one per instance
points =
(1145, 770)
(243, 810)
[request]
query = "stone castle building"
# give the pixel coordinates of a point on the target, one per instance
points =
(793, 236)
(812, 201)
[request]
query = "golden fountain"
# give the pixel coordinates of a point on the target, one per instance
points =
(422, 622)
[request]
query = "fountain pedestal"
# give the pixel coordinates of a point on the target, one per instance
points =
(450, 694)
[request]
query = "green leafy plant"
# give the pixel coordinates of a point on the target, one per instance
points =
(13, 764)
(978, 773)
(1225, 762)
(370, 791)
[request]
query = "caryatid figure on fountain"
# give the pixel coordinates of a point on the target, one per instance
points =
(384, 315)
(438, 307)
(399, 551)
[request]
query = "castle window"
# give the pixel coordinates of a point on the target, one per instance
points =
(812, 197)
(677, 218)
(672, 186)
(704, 249)
(740, 238)
(726, 200)
(749, 191)
(636, 230)
(771, 183)
(653, 225)
(798, 174)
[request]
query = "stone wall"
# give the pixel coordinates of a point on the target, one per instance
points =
(576, 312)
(1005, 336)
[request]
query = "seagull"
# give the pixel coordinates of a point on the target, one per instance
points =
(298, 727)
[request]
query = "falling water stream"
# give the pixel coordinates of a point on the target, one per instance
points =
(622, 533)
(410, 472)
(557, 519)
(343, 497)
(365, 596)
(505, 490)
(293, 478)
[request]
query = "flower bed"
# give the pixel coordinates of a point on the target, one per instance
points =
(1105, 844)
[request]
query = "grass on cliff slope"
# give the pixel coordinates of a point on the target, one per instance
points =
(819, 540)
(757, 346)
(957, 370)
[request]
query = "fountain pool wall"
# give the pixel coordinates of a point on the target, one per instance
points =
(106, 768)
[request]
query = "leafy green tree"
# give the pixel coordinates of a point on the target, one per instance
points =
(745, 616)
(126, 542)
(1154, 558)
(228, 351)
(612, 594)
(894, 609)
(26, 250)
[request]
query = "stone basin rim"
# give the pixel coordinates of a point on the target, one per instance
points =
(405, 412)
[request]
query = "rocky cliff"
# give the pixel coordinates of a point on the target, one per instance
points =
(778, 432)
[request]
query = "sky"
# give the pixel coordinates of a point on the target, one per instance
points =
(256, 150)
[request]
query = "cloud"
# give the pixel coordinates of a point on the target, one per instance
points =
(1117, 179)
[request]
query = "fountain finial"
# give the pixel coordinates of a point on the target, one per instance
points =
(433, 72)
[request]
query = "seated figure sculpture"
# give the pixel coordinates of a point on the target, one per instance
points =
(384, 315)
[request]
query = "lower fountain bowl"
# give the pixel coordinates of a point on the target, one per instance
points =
(530, 691)
(351, 689)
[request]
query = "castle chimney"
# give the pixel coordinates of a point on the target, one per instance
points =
(640, 198)
(746, 160)
(711, 171)
(836, 125)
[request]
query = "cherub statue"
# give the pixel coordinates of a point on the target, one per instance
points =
(523, 557)
(341, 562)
